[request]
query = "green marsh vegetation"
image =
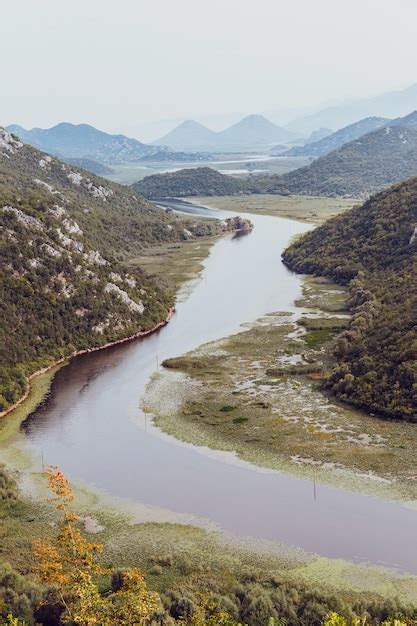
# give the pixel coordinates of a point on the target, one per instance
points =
(186, 566)
(271, 376)
(373, 250)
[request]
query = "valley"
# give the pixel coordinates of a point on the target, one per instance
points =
(164, 517)
(208, 313)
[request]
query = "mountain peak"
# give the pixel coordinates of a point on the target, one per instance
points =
(191, 124)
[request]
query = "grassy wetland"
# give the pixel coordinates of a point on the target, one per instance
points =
(310, 209)
(259, 393)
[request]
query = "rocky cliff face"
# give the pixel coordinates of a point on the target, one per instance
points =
(237, 223)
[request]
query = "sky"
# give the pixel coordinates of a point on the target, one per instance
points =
(122, 64)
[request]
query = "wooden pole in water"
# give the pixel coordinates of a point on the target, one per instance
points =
(314, 484)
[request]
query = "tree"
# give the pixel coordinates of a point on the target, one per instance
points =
(69, 563)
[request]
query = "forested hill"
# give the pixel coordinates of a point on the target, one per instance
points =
(200, 181)
(366, 165)
(361, 167)
(66, 237)
(374, 247)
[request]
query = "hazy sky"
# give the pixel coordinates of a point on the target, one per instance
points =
(119, 63)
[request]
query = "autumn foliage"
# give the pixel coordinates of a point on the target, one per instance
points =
(69, 563)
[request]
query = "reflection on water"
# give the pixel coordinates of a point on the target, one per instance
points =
(92, 426)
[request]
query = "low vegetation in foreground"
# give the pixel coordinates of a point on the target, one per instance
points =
(373, 249)
(70, 578)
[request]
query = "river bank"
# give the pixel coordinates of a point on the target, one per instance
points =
(258, 394)
(94, 401)
(56, 365)
(306, 209)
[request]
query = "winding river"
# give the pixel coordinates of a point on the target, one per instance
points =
(92, 426)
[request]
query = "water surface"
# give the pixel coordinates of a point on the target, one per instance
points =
(93, 428)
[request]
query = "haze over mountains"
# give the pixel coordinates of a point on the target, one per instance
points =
(82, 141)
(391, 104)
(339, 138)
(360, 167)
(251, 132)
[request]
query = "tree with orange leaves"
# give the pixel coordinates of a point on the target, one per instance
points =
(69, 564)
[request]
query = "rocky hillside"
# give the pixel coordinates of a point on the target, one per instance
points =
(374, 249)
(339, 138)
(200, 181)
(66, 238)
(88, 164)
(361, 167)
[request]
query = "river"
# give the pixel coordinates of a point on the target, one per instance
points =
(92, 426)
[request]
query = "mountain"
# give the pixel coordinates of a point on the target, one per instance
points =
(88, 164)
(376, 160)
(190, 182)
(66, 283)
(409, 120)
(189, 135)
(339, 138)
(359, 168)
(253, 131)
(318, 134)
(391, 104)
(250, 133)
(374, 249)
(82, 141)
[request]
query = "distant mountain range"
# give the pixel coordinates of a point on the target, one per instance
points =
(82, 141)
(318, 134)
(360, 167)
(250, 133)
(336, 140)
(391, 104)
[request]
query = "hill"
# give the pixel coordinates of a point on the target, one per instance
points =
(409, 120)
(82, 141)
(66, 240)
(361, 167)
(88, 164)
(318, 134)
(391, 104)
(374, 249)
(189, 135)
(190, 182)
(339, 138)
(250, 133)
